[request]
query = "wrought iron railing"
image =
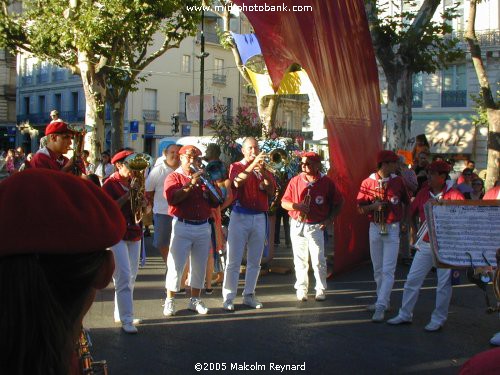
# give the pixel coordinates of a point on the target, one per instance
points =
(219, 78)
(150, 114)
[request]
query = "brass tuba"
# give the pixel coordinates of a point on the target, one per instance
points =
(137, 163)
(78, 141)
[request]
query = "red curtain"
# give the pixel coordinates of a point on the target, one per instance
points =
(332, 43)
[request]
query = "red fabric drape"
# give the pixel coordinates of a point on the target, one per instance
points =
(332, 42)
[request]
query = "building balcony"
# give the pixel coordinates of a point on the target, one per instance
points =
(34, 118)
(219, 79)
(210, 37)
(455, 98)
(73, 116)
(485, 38)
(58, 75)
(150, 114)
(42, 77)
(26, 80)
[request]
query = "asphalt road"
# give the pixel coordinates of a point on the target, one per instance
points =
(331, 337)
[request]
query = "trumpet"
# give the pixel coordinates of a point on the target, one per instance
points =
(301, 220)
(138, 163)
(211, 188)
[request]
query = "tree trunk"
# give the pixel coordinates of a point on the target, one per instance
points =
(487, 96)
(117, 118)
(268, 111)
(492, 169)
(94, 89)
(399, 115)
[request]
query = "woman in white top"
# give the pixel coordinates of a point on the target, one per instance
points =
(105, 168)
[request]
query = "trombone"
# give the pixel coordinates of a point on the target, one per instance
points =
(208, 184)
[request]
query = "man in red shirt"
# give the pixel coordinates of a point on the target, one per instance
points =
(438, 188)
(307, 235)
(59, 139)
(127, 251)
(382, 196)
(253, 187)
(189, 203)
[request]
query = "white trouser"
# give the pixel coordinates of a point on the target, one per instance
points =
(188, 240)
(384, 253)
(311, 244)
(420, 267)
(126, 255)
(249, 230)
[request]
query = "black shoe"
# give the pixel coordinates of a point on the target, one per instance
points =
(209, 291)
(182, 291)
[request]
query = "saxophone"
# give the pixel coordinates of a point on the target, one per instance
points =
(137, 163)
(87, 364)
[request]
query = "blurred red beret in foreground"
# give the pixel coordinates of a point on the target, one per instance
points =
(51, 212)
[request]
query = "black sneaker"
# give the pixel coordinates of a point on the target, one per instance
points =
(209, 291)
(182, 291)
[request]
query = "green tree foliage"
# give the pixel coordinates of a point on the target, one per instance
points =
(407, 41)
(107, 42)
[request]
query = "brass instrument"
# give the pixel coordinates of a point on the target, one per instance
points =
(422, 231)
(78, 141)
(379, 215)
(211, 188)
(274, 159)
(301, 220)
(87, 364)
(137, 163)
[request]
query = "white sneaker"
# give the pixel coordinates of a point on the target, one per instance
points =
(169, 308)
(397, 320)
(196, 304)
(301, 295)
(129, 328)
(433, 327)
(228, 305)
(495, 340)
(320, 295)
(135, 322)
(378, 315)
(252, 302)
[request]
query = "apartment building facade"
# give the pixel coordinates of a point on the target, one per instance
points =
(443, 108)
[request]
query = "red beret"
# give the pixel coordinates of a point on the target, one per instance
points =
(190, 150)
(312, 156)
(59, 127)
(387, 156)
(119, 156)
(439, 166)
(51, 212)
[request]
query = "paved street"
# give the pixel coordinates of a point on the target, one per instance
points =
(331, 337)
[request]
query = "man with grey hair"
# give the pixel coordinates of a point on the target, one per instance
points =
(155, 193)
(253, 186)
